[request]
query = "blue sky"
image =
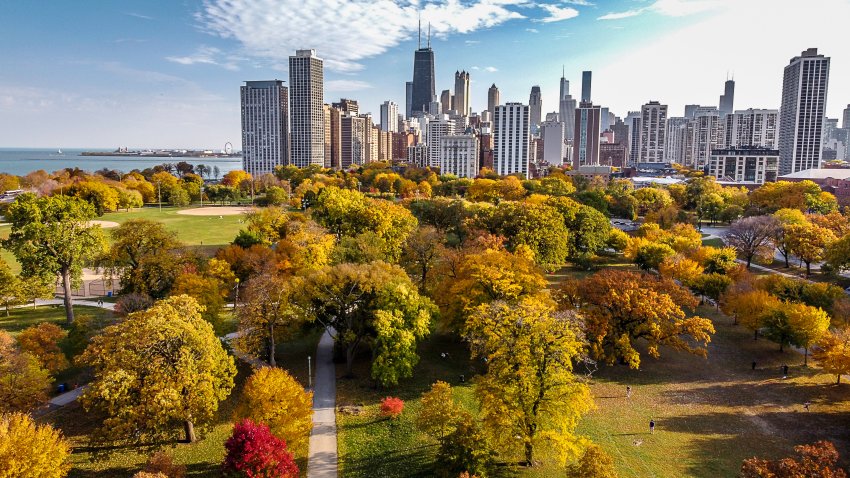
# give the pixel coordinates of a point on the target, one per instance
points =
(166, 73)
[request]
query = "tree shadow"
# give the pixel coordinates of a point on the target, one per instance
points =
(769, 392)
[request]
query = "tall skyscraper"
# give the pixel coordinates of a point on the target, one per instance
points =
(633, 122)
(352, 141)
(564, 88)
(653, 131)
(676, 139)
(423, 78)
(335, 150)
(845, 122)
(347, 106)
(462, 93)
(752, 128)
(689, 110)
(265, 126)
(552, 132)
(435, 130)
(306, 109)
(408, 99)
(705, 133)
(585, 85)
(493, 98)
(804, 86)
(389, 117)
(446, 101)
(727, 99)
(535, 107)
(512, 139)
(586, 136)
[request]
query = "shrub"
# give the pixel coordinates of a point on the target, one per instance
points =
(252, 451)
(391, 407)
(161, 463)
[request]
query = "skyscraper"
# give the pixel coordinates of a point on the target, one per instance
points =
(512, 139)
(567, 109)
(435, 130)
(462, 93)
(804, 88)
(265, 126)
(306, 109)
(493, 98)
(845, 123)
(704, 134)
(633, 122)
(564, 89)
(352, 141)
(408, 99)
(727, 99)
(752, 128)
(347, 106)
(446, 101)
(653, 131)
(586, 136)
(585, 85)
(389, 116)
(552, 132)
(535, 107)
(676, 139)
(423, 78)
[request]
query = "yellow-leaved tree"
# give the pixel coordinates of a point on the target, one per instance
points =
(30, 450)
(530, 399)
(157, 371)
(42, 341)
(273, 397)
(833, 352)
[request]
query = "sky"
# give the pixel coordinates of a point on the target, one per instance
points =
(166, 73)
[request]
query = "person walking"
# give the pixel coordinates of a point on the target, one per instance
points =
(754, 364)
(806, 406)
(628, 391)
(651, 426)
(784, 370)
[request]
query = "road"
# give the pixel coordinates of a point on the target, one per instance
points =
(322, 462)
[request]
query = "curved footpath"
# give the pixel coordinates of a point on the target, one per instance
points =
(322, 461)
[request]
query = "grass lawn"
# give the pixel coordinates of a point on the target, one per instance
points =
(22, 317)
(203, 458)
(192, 230)
(710, 413)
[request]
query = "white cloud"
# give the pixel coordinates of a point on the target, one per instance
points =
(205, 55)
(532, 30)
(557, 14)
(582, 3)
(621, 15)
(139, 15)
(472, 42)
(490, 69)
(346, 85)
(344, 33)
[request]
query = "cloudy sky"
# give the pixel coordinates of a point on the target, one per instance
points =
(166, 73)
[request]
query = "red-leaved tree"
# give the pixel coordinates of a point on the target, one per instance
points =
(817, 460)
(391, 407)
(253, 452)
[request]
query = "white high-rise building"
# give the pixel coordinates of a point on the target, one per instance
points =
(554, 147)
(705, 133)
(752, 127)
(265, 126)
(459, 155)
(389, 117)
(653, 128)
(633, 122)
(436, 129)
(804, 87)
(674, 148)
(511, 139)
(306, 109)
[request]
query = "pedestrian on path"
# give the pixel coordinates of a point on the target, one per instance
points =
(806, 406)
(784, 370)
(651, 426)
(628, 391)
(754, 364)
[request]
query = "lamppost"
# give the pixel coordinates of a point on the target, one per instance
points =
(309, 374)
(159, 194)
(236, 297)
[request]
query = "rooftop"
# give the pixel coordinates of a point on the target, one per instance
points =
(818, 174)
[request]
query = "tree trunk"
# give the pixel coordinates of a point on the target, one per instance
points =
(806, 357)
(808, 268)
(781, 345)
(66, 286)
(756, 337)
(839, 379)
(529, 454)
(189, 427)
(271, 346)
(349, 360)
(749, 260)
(787, 264)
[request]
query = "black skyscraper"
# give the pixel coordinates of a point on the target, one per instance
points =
(423, 78)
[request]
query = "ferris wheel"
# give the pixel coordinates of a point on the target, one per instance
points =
(228, 148)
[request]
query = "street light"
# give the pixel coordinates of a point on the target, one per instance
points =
(309, 374)
(236, 298)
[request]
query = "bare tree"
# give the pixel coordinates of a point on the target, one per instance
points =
(753, 236)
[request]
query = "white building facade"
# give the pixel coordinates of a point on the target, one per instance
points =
(265, 126)
(459, 155)
(306, 109)
(511, 139)
(804, 87)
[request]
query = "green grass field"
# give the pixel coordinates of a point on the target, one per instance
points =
(710, 413)
(22, 317)
(192, 230)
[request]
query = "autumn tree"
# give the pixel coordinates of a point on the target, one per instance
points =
(751, 308)
(42, 341)
(833, 352)
(272, 397)
(753, 237)
(373, 303)
(30, 450)
(536, 226)
(808, 242)
(23, 381)
(594, 463)
(837, 253)
(795, 324)
(266, 315)
(209, 292)
(622, 307)
(421, 253)
(530, 400)
(155, 371)
(53, 236)
(818, 460)
(786, 217)
(139, 249)
(252, 451)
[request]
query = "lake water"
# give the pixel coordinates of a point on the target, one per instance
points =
(23, 161)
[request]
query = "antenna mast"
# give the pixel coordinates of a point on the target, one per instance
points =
(419, 43)
(429, 35)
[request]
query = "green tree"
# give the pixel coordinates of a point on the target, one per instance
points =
(53, 236)
(375, 302)
(266, 315)
(537, 226)
(208, 291)
(529, 390)
(10, 287)
(651, 255)
(156, 371)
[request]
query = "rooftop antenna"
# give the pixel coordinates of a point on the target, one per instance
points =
(563, 71)
(429, 35)
(419, 43)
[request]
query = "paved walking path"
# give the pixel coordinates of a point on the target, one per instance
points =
(322, 461)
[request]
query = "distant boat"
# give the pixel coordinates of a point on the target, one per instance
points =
(59, 151)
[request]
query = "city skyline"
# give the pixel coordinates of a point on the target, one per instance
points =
(163, 75)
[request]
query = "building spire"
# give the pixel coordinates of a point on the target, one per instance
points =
(419, 43)
(429, 35)
(563, 71)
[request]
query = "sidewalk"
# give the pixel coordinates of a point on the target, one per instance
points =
(322, 461)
